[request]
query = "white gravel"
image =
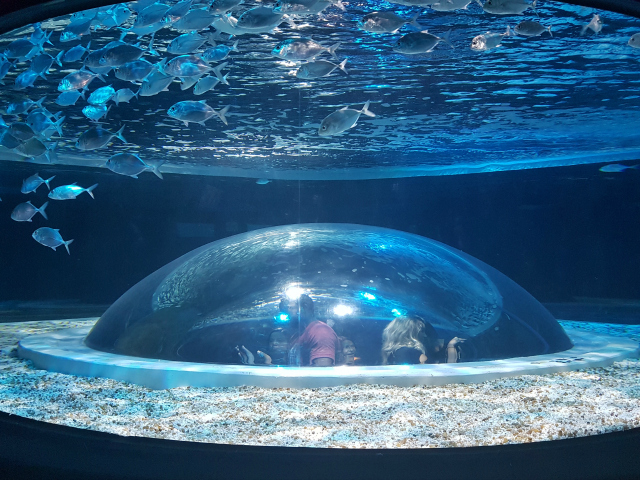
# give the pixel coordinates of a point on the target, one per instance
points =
(529, 408)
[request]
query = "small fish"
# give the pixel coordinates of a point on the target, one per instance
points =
(74, 54)
(196, 112)
(263, 181)
(187, 43)
(120, 55)
(22, 49)
(196, 19)
(131, 165)
(21, 131)
(155, 83)
(184, 66)
(319, 68)
(386, 22)
(25, 212)
(218, 7)
(259, 20)
(595, 24)
(101, 96)
(151, 15)
(634, 41)
(33, 148)
(488, 41)
(39, 36)
(95, 112)
(508, 7)
(75, 30)
(219, 52)
(41, 122)
(25, 79)
(66, 99)
(18, 108)
(97, 137)
(41, 64)
(531, 29)
(616, 168)
(32, 183)
(124, 95)
(302, 49)
(70, 192)
(420, 42)
(135, 71)
(176, 12)
(205, 84)
(77, 80)
(116, 16)
(451, 5)
(342, 120)
(50, 237)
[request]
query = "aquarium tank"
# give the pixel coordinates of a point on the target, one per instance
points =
(427, 200)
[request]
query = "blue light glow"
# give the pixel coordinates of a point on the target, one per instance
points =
(282, 318)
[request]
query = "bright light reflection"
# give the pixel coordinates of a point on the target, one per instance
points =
(293, 292)
(368, 296)
(342, 310)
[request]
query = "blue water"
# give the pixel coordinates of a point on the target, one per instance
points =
(530, 103)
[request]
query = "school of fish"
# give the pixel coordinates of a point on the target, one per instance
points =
(203, 45)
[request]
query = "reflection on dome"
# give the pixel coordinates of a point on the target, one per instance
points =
(257, 292)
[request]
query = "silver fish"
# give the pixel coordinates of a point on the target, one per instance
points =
(66, 99)
(196, 112)
(41, 64)
(40, 121)
(95, 112)
(32, 183)
(508, 7)
(342, 120)
(531, 29)
(33, 148)
(302, 49)
(187, 43)
(18, 108)
(116, 56)
(50, 237)
(184, 66)
(488, 41)
(74, 54)
(319, 68)
(74, 31)
(634, 41)
(25, 79)
(386, 22)
(155, 83)
(420, 42)
(135, 71)
(451, 5)
(124, 95)
(218, 7)
(259, 20)
(151, 14)
(176, 12)
(101, 95)
(595, 24)
(205, 84)
(77, 80)
(219, 52)
(196, 19)
(97, 137)
(21, 131)
(25, 212)
(131, 165)
(70, 192)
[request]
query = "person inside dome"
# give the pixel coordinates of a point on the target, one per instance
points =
(347, 352)
(411, 340)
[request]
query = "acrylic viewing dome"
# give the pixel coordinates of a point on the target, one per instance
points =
(234, 292)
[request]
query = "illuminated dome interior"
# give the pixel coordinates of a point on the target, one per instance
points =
(237, 291)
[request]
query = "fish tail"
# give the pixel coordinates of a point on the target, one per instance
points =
(155, 168)
(446, 36)
(119, 135)
(47, 38)
(88, 47)
(533, 7)
(221, 114)
(342, 64)
(46, 182)
(152, 51)
(224, 79)
(234, 47)
(41, 210)
(332, 50)
(58, 125)
(508, 32)
(549, 30)
(414, 22)
(218, 72)
(66, 245)
(123, 34)
(39, 102)
(99, 75)
(366, 111)
(90, 190)
(584, 29)
(58, 58)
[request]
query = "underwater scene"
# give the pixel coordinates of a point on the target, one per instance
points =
(321, 223)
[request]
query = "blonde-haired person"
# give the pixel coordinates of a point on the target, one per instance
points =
(409, 340)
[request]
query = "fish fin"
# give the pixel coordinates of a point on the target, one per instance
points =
(366, 111)
(133, 176)
(234, 47)
(151, 50)
(29, 220)
(58, 58)
(41, 210)
(344, 108)
(549, 30)
(99, 75)
(186, 124)
(39, 102)
(90, 190)
(58, 125)
(155, 168)
(218, 70)
(332, 50)
(427, 31)
(508, 32)
(414, 22)
(66, 245)
(46, 182)
(202, 101)
(224, 79)
(119, 134)
(221, 114)
(445, 37)
(342, 64)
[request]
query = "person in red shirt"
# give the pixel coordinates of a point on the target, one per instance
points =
(321, 342)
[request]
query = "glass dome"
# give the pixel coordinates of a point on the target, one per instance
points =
(252, 294)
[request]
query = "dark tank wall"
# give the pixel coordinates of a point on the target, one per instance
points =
(564, 234)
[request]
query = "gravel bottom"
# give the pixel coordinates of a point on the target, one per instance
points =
(529, 408)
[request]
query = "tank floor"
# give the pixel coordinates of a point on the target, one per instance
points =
(528, 408)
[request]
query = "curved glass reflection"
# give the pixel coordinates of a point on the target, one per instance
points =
(323, 294)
